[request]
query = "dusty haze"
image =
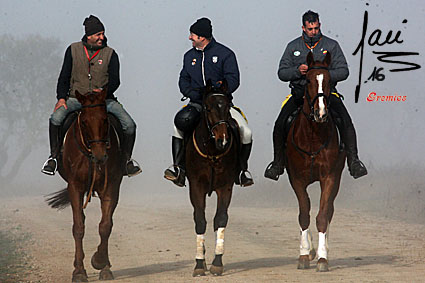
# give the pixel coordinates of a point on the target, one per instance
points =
(151, 37)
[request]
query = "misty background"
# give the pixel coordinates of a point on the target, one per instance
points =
(150, 38)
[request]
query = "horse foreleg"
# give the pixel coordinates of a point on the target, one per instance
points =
(224, 196)
(307, 251)
(329, 190)
(198, 202)
(79, 274)
(100, 259)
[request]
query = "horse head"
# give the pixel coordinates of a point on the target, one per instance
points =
(94, 125)
(318, 87)
(216, 108)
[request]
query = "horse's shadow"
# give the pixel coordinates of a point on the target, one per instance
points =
(335, 263)
(152, 269)
(252, 264)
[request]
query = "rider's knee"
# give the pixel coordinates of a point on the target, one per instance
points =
(246, 135)
(57, 117)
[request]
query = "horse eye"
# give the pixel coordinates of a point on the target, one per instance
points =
(308, 81)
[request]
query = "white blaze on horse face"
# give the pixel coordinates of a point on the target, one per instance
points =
(322, 249)
(200, 246)
(305, 244)
(320, 90)
(219, 244)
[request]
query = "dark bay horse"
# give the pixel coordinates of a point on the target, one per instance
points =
(91, 162)
(313, 154)
(212, 165)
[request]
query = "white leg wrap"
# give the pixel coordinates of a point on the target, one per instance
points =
(219, 244)
(200, 246)
(305, 243)
(322, 249)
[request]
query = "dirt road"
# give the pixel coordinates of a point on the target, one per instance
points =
(156, 243)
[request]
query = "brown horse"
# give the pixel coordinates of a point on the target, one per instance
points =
(313, 154)
(91, 162)
(212, 165)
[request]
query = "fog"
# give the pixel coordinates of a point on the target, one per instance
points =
(151, 37)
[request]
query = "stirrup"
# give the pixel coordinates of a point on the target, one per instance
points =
(248, 177)
(175, 174)
(135, 165)
(47, 163)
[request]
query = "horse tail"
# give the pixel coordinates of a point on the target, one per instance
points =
(59, 199)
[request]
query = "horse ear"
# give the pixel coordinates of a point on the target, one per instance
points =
(310, 59)
(79, 96)
(224, 86)
(327, 60)
(103, 93)
(208, 86)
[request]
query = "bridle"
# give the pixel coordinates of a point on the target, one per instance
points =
(310, 101)
(209, 126)
(87, 144)
(211, 135)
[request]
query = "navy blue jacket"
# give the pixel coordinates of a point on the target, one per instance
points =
(219, 63)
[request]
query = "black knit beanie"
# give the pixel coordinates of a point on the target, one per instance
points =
(202, 27)
(93, 25)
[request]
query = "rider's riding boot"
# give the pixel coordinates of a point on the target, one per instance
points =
(245, 178)
(176, 173)
(132, 167)
(50, 165)
(277, 166)
(348, 136)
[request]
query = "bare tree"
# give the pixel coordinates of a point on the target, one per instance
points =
(29, 68)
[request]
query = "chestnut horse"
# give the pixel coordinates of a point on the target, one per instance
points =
(91, 162)
(212, 165)
(313, 154)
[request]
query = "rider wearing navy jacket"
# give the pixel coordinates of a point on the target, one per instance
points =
(207, 60)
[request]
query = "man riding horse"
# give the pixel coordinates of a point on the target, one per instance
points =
(293, 68)
(89, 66)
(207, 60)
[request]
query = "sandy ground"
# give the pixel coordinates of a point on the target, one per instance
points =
(156, 243)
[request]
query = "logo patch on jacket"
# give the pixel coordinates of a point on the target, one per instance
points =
(193, 61)
(215, 59)
(325, 51)
(100, 61)
(297, 53)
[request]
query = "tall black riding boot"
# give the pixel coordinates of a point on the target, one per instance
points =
(132, 167)
(348, 136)
(176, 173)
(277, 166)
(245, 178)
(50, 165)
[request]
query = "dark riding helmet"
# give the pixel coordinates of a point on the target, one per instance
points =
(187, 119)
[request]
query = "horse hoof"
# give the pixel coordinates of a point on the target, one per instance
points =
(216, 270)
(303, 262)
(322, 265)
(312, 254)
(80, 276)
(106, 274)
(198, 272)
(96, 264)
